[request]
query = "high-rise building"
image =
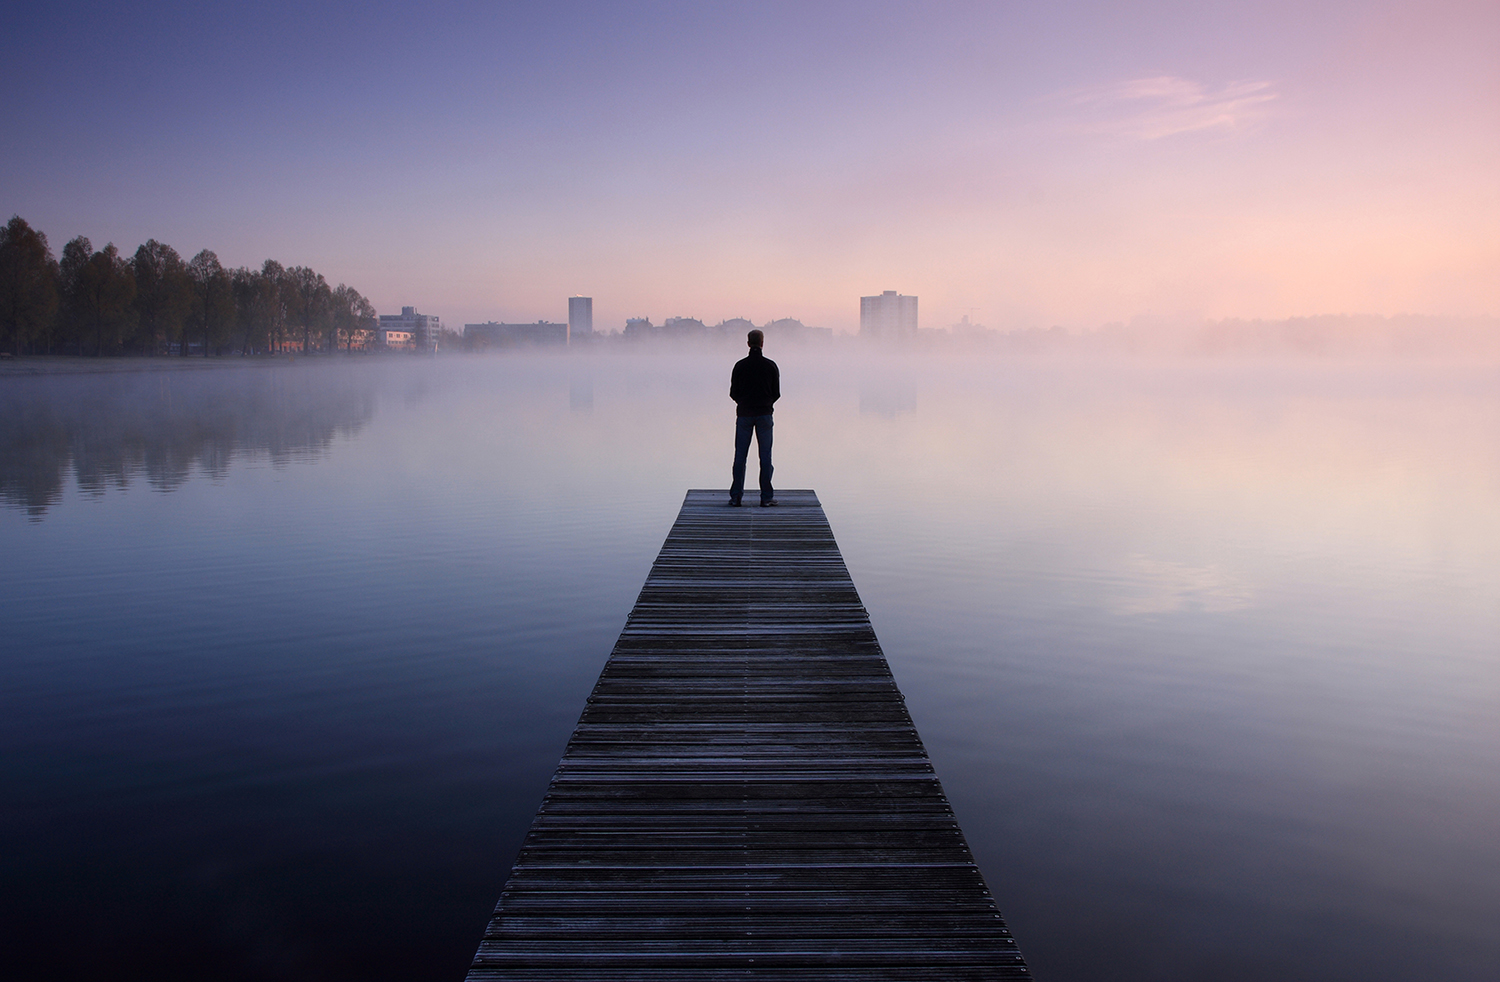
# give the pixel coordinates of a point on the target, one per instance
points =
(580, 316)
(888, 316)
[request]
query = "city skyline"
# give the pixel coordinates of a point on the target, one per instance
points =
(1077, 165)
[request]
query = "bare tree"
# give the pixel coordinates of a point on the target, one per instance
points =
(72, 320)
(352, 314)
(104, 296)
(212, 311)
(278, 292)
(101, 300)
(252, 309)
(28, 285)
(309, 303)
(163, 295)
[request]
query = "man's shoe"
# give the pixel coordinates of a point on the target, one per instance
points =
(768, 503)
(734, 502)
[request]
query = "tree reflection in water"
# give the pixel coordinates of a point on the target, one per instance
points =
(111, 428)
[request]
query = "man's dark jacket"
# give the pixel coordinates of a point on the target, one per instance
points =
(754, 385)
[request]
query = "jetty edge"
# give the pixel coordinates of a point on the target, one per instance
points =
(745, 796)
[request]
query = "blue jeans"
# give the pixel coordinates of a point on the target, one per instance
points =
(743, 427)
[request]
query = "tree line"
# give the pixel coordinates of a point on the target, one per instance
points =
(99, 302)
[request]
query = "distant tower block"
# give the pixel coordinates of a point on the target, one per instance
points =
(889, 315)
(580, 316)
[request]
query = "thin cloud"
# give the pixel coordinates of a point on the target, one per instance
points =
(1153, 108)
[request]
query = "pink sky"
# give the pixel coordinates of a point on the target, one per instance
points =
(1073, 165)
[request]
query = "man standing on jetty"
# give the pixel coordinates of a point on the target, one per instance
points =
(755, 385)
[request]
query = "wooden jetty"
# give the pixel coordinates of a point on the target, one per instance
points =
(745, 796)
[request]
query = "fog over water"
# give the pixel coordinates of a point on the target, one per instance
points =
(1206, 652)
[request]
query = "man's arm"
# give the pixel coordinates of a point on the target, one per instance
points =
(775, 386)
(736, 383)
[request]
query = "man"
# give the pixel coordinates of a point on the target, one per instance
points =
(755, 385)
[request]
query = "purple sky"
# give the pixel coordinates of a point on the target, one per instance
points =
(1025, 164)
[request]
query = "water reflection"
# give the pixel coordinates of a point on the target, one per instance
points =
(107, 430)
(581, 396)
(888, 397)
(1155, 586)
(1204, 654)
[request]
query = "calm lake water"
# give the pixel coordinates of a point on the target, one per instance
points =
(1207, 656)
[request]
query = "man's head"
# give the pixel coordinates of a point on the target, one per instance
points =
(756, 339)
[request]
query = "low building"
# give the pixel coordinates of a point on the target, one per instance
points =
(409, 329)
(673, 329)
(684, 327)
(492, 334)
(359, 338)
(735, 327)
(791, 329)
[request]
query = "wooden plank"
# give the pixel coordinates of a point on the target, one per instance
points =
(745, 796)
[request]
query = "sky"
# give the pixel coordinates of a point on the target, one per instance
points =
(1021, 164)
